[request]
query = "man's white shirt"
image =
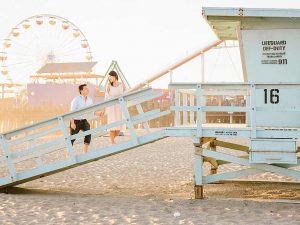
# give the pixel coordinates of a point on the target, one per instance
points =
(80, 102)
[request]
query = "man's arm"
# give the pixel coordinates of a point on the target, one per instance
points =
(73, 108)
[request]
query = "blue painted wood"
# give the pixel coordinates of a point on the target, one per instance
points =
(135, 120)
(149, 117)
(6, 180)
(10, 166)
(45, 169)
(199, 110)
(230, 175)
(144, 98)
(245, 162)
(198, 167)
(59, 123)
(253, 111)
(97, 130)
(177, 121)
(184, 108)
(36, 148)
(192, 114)
(67, 140)
(272, 157)
(28, 128)
(33, 136)
(129, 123)
(141, 111)
(225, 157)
(279, 170)
(251, 12)
(184, 114)
(213, 108)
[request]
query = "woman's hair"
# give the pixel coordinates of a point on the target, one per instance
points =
(113, 74)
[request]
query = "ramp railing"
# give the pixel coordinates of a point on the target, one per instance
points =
(44, 148)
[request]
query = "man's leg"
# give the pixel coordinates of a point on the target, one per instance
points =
(112, 136)
(72, 131)
(87, 139)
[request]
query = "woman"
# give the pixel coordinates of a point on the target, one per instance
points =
(114, 113)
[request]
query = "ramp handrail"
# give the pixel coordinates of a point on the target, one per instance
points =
(37, 141)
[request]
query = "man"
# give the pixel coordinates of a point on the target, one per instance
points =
(80, 122)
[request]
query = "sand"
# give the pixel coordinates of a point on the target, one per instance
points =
(152, 184)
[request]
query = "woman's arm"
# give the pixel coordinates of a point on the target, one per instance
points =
(107, 90)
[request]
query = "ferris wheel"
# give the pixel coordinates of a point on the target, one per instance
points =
(39, 40)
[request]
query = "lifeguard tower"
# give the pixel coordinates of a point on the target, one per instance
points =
(270, 52)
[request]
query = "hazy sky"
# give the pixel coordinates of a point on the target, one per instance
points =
(143, 36)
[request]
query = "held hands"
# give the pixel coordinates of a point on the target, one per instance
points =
(99, 113)
(73, 126)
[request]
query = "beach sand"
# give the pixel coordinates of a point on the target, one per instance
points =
(152, 184)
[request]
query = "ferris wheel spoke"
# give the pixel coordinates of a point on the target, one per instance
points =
(70, 56)
(16, 43)
(66, 56)
(18, 57)
(32, 39)
(19, 63)
(62, 36)
(71, 51)
(63, 43)
(49, 27)
(30, 44)
(36, 37)
(72, 43)
(30, 63)
(53, 36)
(22, 54)
(74, 46)
(59, 37)
(68, 51)
(70, 48)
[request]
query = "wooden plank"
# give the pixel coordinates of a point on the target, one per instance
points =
(141, 112)
(244, 162)
(192, 114)
(33, 136)
(129, 123)
(253, 111)
(177, 112)
(184, 103)
(230, 175)
(229, 145)
(9, 163)
(199, 110)
(242, 53)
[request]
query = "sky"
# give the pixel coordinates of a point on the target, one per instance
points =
(143, 36)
